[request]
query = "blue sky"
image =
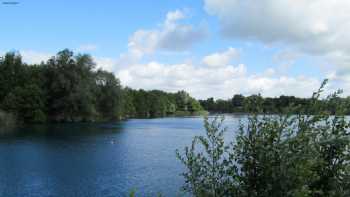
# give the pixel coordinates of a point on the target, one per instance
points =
(54, 25)
(277, 47)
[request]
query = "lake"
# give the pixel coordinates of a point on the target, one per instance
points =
(98, 159)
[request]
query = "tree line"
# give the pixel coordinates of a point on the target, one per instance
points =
(69, 88)
(248, 104)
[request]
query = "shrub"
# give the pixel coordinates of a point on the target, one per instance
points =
(303, 154)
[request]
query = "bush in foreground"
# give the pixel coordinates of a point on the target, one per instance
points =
(303, 154)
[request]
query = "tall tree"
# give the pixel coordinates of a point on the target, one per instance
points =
(109, 96)
(69, 85)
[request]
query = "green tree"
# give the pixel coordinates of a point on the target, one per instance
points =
(182, 100)
(69, 85)
(26, 103)
(109, 96)
(128, 106)
(194, 105)
(68, 88)
(12, 73)
(207, 172)
(238, 102)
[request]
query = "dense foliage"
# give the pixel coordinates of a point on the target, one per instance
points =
(242, 104)
(68, 87)
(304, 154)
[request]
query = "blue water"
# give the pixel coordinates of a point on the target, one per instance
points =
(91, 159)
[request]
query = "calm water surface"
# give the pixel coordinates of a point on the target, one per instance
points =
(107, 159)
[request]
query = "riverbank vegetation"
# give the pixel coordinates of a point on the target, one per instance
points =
(243, 104)
(68, 88)
(296, 155)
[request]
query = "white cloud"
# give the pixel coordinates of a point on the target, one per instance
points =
(323, 21)
(219, 82)
(285, 59)
(34, 57)
(312, 27)
(269, 72)
(105, 63)
(173, 16)
(221, 58)
(170, 36)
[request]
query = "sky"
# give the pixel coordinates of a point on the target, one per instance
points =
(209, 48)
